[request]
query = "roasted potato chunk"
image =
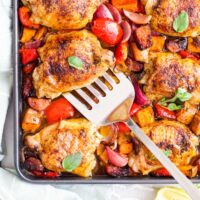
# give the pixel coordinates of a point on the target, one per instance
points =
(140, 55)
(145, 116)
(195, 124)
(143, 37)
(158, 43)
(32, 120)
(186, 114)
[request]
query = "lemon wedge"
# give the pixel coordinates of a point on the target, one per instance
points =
(172, 193)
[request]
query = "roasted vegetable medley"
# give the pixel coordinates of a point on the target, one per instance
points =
(66, 45)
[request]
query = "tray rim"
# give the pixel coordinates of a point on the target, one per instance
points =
(17, 130)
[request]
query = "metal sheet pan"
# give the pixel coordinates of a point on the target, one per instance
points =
(100, 179)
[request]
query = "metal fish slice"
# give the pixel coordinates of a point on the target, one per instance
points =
(108, 100)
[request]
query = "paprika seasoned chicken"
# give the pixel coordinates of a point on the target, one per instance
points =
(166, 12)
(62, 14)
(55, 142)
(167, 72)
(55, 76)
(176, 141)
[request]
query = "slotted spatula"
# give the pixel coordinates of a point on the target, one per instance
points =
(113, 105)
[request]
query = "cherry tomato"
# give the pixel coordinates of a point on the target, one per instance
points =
(107, 30)
(58, 110)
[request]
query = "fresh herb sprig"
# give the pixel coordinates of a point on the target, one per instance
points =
(72, 161)
(181, 22)
(175, 103)
(75, 62)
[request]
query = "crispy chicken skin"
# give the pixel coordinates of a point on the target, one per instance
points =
(54, 76)
(55, 142)
(62, 14)
(167, 72)
(167, 10)
(170, 136)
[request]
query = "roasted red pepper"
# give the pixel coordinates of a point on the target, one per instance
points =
(164, 112)
(46, 174)
(107, 30)
(58, 110)
(134, 108)
(161, 172)
(121, 52)
(185, 54)
(24, 15)
(28, 55)
(122, 127)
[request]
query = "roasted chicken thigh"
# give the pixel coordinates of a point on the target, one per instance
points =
(62, 14)
(55, 76)
(167, 10)
(55, 142)
(174, 138)
(167, 72)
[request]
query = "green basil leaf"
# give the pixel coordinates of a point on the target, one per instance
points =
(173, 106)
(167, 153)
(181, 22)
(75, 62)
(183, 95)
(71, 162)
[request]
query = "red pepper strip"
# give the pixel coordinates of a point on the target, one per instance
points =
(46, 174)
(58, 110)
(134, 108)
(28, 55)
(161, 172)
(121, 126)
(164, 112)
(121, 52)
(24, 15)
(185, 54)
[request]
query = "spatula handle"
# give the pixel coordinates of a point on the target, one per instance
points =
(184, 182)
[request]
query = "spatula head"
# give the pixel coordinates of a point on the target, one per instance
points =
(97, 101)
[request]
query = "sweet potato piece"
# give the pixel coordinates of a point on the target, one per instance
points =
(186, 114)
(195, 124)
(40, 33)
(158, 43)
(140, 55)
(32, 120)
(143, 37)
(194, 44)
(145, 116)
(38, 104)
(132, 5)
(27, 35)
(125, 148)
(101, 152)
(123, 138)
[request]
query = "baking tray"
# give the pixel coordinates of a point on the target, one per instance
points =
(70, 179)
